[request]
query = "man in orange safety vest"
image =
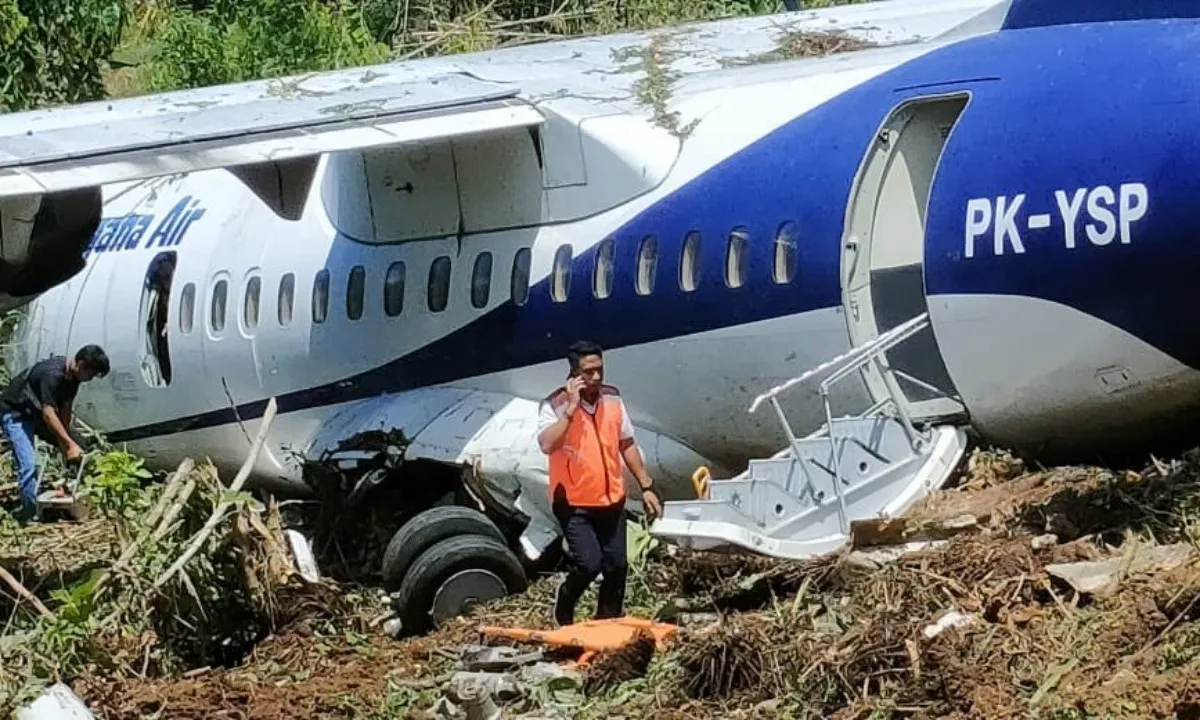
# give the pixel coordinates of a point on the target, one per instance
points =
(586, 431)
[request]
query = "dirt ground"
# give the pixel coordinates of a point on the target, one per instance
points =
(846, 636)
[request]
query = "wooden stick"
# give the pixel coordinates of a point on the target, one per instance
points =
(20, 589)
(168, 495)
(177, 505)
(181, 473)
(219, 511)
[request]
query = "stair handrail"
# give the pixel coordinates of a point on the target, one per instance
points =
(852, 360)
(842, 366)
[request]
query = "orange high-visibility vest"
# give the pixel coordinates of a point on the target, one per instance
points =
(586, 467)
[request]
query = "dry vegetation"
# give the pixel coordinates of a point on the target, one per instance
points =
(845, 636)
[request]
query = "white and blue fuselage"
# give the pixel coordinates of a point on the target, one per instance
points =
(1030, 183)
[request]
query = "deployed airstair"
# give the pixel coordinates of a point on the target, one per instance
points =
(800, 502)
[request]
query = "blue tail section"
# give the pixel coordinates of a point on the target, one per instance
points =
(1045, 13)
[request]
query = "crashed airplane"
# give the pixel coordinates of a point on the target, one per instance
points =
(971, 217)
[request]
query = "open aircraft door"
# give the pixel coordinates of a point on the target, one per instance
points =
(883, 281)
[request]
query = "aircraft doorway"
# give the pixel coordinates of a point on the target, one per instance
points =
(883, 282)
(155, 354)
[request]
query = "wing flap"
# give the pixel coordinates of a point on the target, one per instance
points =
(81, 149)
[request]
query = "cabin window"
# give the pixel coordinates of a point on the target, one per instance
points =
(155, 306)
(393, 289)
(250, 303)
(560, 277)
(439, 284)
(320, 297)
(647, 264)
(187, 308)
(689, 262)
(216, 319)
(355, 292)
(602, 281)
(481, 280)
(736, 258)
(784, 268)
(287, 299)
(519, 286)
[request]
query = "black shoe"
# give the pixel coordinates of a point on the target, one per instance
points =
(562, 615)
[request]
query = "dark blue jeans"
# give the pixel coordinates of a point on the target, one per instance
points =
(595, 545)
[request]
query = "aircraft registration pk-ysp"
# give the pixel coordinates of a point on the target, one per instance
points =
(982, 219)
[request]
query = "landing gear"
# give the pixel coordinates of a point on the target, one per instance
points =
(426, 530)
(443, 562)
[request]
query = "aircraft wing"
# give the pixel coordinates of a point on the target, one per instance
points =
(106, 142)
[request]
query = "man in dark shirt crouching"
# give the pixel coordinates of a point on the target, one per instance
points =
(39, 400)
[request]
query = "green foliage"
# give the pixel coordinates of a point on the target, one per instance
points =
(12, 22)
(222, 42)
(438, 27)
(10, 324)
(54, 50)
(66, 51)
(68, 639)
(640, 545)
(115, 484)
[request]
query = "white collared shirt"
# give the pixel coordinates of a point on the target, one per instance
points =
(548, 416)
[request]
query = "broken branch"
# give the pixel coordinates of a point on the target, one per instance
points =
(29, 597)
(156, 513)
(219, 511)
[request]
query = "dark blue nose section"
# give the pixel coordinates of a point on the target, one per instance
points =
(1062, 257)
(1075, 178)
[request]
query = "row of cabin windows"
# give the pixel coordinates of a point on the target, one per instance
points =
(438, 286)
(737, 258)
(437, 293)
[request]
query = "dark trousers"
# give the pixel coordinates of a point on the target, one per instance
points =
(595, 545)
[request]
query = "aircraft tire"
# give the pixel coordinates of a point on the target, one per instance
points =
(427, 529)
(450, 577)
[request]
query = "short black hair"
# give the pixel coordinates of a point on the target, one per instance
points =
(94, 358)
(582, 349)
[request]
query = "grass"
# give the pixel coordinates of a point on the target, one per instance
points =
(414, 29)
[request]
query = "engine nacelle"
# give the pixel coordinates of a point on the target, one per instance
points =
(42, 239)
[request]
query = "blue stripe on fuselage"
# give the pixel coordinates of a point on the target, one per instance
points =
(802, 172)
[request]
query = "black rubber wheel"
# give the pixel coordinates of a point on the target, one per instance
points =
(426, 530)
(453, 575)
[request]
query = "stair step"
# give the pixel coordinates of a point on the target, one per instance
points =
(787, 506)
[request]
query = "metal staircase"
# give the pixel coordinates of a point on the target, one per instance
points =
(800, 502)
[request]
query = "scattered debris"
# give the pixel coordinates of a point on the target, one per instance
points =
(728, 658)
(903, 530)
(951, 619)
(627, 662)
(497, 659)
(57, 702)
(653, 90)
(1041, 542)
(1073, 591)
(465, 687)
(590, 637)
(1102, 578)
(795, 43)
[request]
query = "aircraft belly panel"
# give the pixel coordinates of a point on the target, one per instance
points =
(1037, 373)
